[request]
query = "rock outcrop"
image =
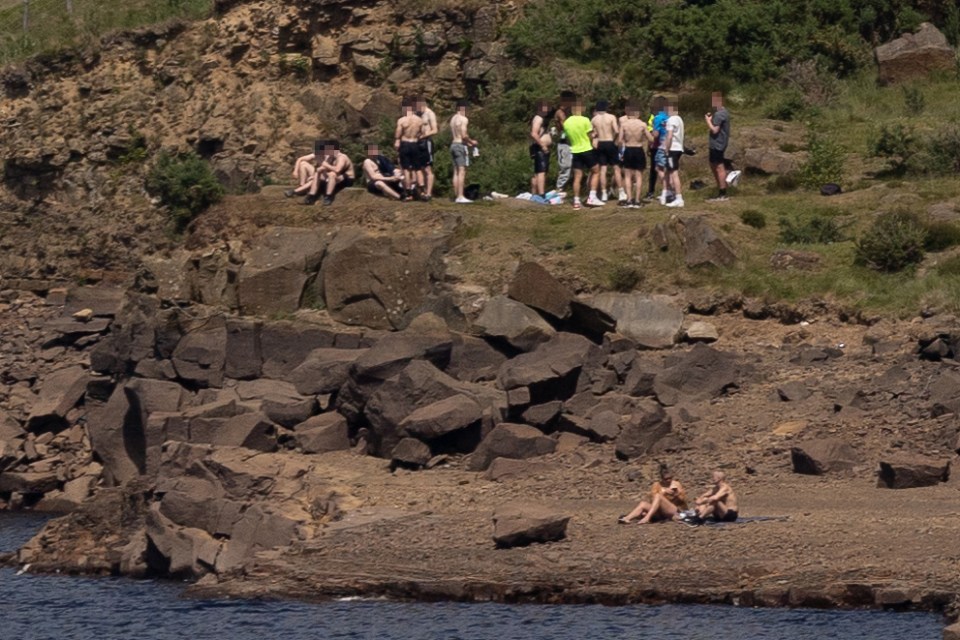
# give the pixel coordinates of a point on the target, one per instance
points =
(915, 54)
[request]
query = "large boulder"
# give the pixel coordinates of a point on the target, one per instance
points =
(442, 418)
(767, 161)
(410, 453)
(117, 438)
(250, 430)
(907, 472)
(646, 425)
(516, 324)
(701, 373)
(375, 281)
(427, 338)
(276, 271)
(244, 359)
(517, 441)
(524, 523)
(284, 345)
(323, 433)
(915, 55)
(550, 372)
(201, 354)
(279, 401)
(324, 370)
(533, 286)
(473, 359)
(653, 322)
(827, 455)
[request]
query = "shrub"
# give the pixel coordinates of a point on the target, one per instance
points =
(754, 218)
(914, 101)
(949, 267)
(894, 242)
(897, 143)
(943, 152)
(185, 184)
(624, 278)
(941, 235)
(825, 163)
(789, 105)
(810, 230)
(783, 183)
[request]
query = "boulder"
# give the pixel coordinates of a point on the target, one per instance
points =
(285, 345)
(952, 632)
(278, 400)
(907, 472)
(117, 438)
(278, 268)
(641, 430)
(425, 339)
(651, 322)
(374, 281)
(442, 418)
(769, 161)
(244, 360)
(827, 455)
(473, 359)
(703, 246)
(588, 320)
(793, 391)
(517, 324)
(517, 441)
(324, 370)
(700, 331)
(543, 416)
(201, 354)
(701, 373)
(323, 433)
(59, 393)
(28, 482)
(508, 469)
(180, 551)
(521, 524)
(915, 55)
(410, 453)
(550, 372)
(533, 286)
(251, 430)
(9, 427)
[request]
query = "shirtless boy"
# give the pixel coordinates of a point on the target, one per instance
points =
(381, 176)
(334, 174)
(633, 135)
(607, 130)
(304, 170)
(429, 130)
(407, 143)
(460, 150)
(581, 136)
(540, 141)
(720, 503)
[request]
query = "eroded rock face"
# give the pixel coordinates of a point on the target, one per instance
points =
(915, 55)
(273, 277)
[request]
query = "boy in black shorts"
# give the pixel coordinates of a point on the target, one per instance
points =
(407, 143)
(607, 129)
(633, 135)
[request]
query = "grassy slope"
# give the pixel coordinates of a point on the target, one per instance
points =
(597, 242)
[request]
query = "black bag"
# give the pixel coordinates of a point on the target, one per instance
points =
(385, 167)
(830, 189)
(472, 192)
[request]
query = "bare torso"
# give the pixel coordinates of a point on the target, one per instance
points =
(429, 127)
(605, 124)
(410, 127)
(634, 131)
(458, 128)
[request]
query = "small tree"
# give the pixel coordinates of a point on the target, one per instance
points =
(894, 242)
(185, 184)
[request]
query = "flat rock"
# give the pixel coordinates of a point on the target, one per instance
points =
(908, 472)
(517, 324)
(442, 418)
(700, 331)
(652, 322)
(59, 393)
(508, 469)
(533, 286)
(522, 524)
(28, 482)
(324, 370)
(507, 440)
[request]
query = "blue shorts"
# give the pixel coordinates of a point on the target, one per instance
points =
(660, 159)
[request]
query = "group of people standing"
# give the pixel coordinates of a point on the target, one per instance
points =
(586, 148)
(591, 146)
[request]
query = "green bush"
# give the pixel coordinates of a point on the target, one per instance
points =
(949, 267)
(754, 218)
(895, 142)
(943, 152)
(789, 105)
(941, 235)
(810, 230)
(914, 101)
(185, 185)
(825, 163)
(894, 242)
(625, 278)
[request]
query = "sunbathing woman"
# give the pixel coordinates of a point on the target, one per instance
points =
(667, 499)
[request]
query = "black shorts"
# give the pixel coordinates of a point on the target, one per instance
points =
(410, 156)
(585, 161)
(634, 158)
(716, 156)
(541, 159)
(673, 160)
(346, 183)
(426, 152)
(608, 154)
(729, 516)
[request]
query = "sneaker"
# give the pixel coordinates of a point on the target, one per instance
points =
(717, 199)
(593, 201)
(327, 201)
(634, 204)
(576, 203)
(623, 194)
(676, 202)
(650, 196)
(623, 520)
(289, 193)
(462, 200)
(623, 202)
(603, 197)
(309, 199)
(425, 198)
(663, 197)
(733, 178)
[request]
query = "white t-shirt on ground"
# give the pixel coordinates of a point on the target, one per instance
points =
(675, 124)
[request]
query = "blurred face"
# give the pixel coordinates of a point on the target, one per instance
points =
(373, 150)
(717, 477)
(330, 150)
(716, 100)
(543, 108)
(421, 105)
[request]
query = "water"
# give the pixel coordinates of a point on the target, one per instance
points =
(66, 608)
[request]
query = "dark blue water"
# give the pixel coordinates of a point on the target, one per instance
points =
(64, 608)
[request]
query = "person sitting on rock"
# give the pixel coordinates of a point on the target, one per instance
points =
(334, 174)
(667, 499)
(720, 502)
(305, 168)
(383, 178)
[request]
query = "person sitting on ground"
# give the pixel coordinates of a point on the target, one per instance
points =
(667, 499)
(540, 141)
(460, 151)
(407, 143)
(382, 177)
(334, 174)
(305, 168)
(720, 502)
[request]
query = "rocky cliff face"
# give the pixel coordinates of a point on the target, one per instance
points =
(249, 89)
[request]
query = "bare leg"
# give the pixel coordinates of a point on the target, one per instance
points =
(332, 182)
(638, 512)
(660, 509)
(577, 179)
(628, 186)
(385, 189)
(675, 182)
(594, 179)
(720, 175)
(603, 178)
(428, 172)
(618, 178)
